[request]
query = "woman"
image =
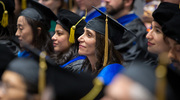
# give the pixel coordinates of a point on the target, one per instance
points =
(92, 44)
(66, 53)
(20, 80)
(157, 42)
(32, 28)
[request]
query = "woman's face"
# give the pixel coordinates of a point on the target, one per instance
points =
(24, 31)
(13, 87)
(156, 43)
(60, 39)
(87, 42)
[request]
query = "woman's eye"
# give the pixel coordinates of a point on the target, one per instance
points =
(158, 31)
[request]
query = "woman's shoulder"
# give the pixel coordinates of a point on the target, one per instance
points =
(108, 72)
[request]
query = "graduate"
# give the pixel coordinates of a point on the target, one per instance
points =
(32, 28)
(69, 27)
(97, 42)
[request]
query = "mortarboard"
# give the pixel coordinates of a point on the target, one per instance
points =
(165, 12)
(28, 69)
(109, 27)
(162, 82)
(39, 12)
(66, 85)
(72, 23)
(171, 28)
(6, 7)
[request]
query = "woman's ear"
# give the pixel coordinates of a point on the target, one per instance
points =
(39, 30)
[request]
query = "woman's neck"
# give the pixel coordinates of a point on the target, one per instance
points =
(92, 60)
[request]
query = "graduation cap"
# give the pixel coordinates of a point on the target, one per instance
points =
(39, 12)
(165, 12)
(162, 82)
(72, 23)
(109, 27)
(171, 28)
(6, 7)
(66, 85)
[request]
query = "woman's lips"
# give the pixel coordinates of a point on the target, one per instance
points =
(149, 44)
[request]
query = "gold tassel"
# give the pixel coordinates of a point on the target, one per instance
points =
(106, 43)
(73, 28)
(24, 4)
(98, 85)
(161, 72)
(42, 72)
(4, 21)
(72, 32)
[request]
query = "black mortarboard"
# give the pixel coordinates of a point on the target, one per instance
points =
(66, 85)
(164, 12)
(28, 69)
(68, 19)
(6, 7)
(115, 29)
(142, 73)
(172, 27)
(109, 27)
(162, 82)
(39, 12)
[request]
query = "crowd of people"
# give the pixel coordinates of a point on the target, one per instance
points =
(89, 50)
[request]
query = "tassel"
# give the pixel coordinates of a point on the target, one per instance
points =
(42, 71)
(106, 43)
(72, 32)
(24, 4)
(73, 28)
(4, 21)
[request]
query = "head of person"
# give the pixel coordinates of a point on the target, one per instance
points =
(157, 41)
(119, 7)
(171, 30)
(135, 83)
(92, 41)
(63, 31)
(69, 27)
(87, 4)
(6, 22)
(20, 80)
(33, 25)
(54, 5)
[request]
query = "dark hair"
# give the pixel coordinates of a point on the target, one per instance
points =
(132, 5)
(63, 57)
(113, 55)
(42, 40)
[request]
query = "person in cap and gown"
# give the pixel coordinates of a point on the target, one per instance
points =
(68, 28)
(20, 80)
(102, 58)
(135, 83)
(32, 28)
(157, 40)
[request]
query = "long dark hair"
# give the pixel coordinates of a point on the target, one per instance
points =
(40, 41)
(63, 57)
(113, 55)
